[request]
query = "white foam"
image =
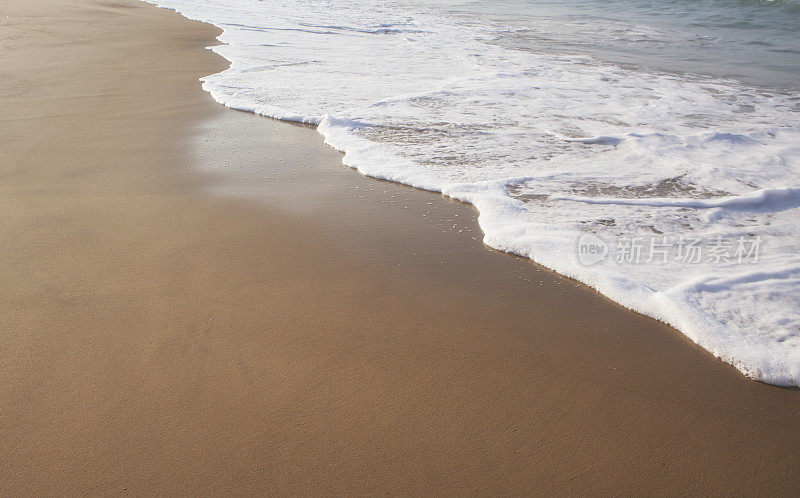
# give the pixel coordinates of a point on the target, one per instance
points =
(774, 198)
(548, 147)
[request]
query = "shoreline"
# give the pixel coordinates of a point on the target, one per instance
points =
(161, 338)
(683, 302)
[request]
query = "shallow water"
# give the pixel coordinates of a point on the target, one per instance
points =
(753, 41)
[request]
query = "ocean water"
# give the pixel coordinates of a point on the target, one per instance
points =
(650, 149)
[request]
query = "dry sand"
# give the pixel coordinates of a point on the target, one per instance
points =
(168, 326)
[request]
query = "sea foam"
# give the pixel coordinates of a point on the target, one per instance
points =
(550, 145)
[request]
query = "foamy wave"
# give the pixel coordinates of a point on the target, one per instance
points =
(765, 199)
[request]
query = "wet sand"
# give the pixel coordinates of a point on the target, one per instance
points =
(169, 326)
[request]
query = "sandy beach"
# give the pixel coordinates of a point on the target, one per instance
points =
(172, 327)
